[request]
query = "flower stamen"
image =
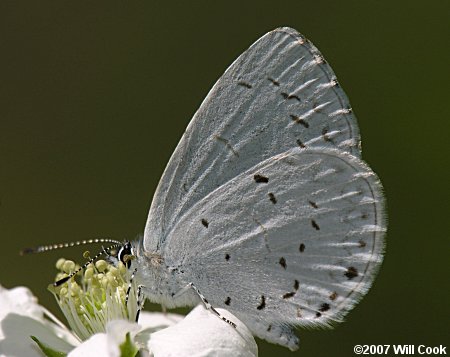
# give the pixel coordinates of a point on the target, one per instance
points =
(92, 298)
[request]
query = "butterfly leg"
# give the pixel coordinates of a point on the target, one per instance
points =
(140, 301)
(140, 295)
(130, 283)
(208, 306)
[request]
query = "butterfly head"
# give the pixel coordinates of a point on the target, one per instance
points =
(126, 254)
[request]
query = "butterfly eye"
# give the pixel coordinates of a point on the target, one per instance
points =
(126, 254)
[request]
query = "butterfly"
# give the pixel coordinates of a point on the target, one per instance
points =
(265, 207)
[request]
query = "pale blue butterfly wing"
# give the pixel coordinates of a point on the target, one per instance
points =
(301, 249)
(277, 95)
(265, 205)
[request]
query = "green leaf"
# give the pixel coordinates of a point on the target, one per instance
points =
(128, 348)
(48, 351)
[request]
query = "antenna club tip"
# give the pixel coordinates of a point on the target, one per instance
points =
(26, 251)
(61, 281)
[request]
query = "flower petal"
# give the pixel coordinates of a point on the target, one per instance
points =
(117, 330)
(151, 322)
(21, 317)
(16, 340)
(201, 333)
(158, 320)
(107, 344)
(21, 301)
(97, 345)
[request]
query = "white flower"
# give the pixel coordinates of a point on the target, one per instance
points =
(21, 317)
(200, 333)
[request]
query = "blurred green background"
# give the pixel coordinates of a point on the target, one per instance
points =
(94, 97)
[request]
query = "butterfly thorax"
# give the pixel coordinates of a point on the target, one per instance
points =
(162, 283)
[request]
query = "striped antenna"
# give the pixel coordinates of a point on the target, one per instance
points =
(103, 251)
(46, 248)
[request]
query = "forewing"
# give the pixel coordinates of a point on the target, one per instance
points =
(297, 239)
(279, 94)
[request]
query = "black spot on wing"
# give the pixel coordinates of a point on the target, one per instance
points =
(283, 262)
(272, 198)
(313, 204)
(324, 307)
(292, 293)
(301, 248)
(228, 301)
(260, 179)
(245, 84)
(351, 273)
(288, 295)
(227, 257)
(315, 225)
(205, 222)
(262, 305)
(299, 120)
(290, 96)
(300, 143)
(274, 82)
